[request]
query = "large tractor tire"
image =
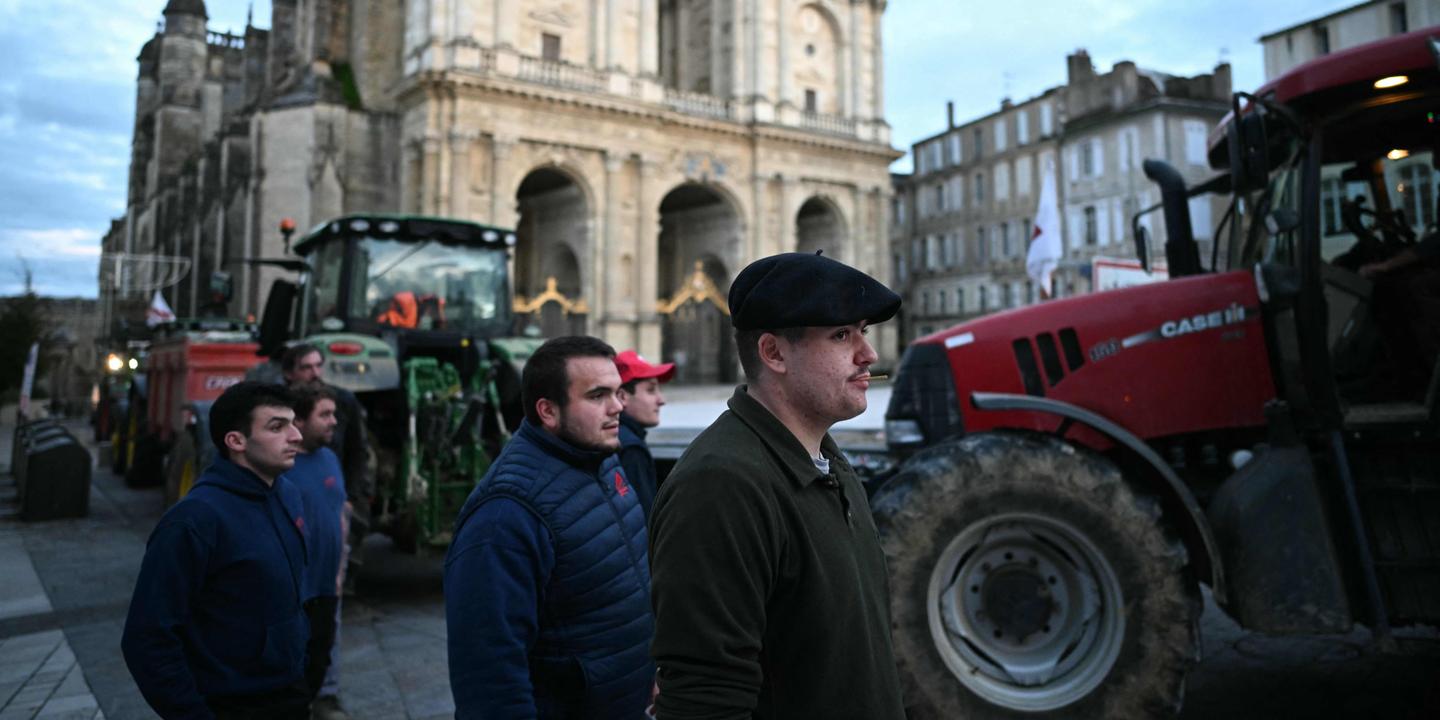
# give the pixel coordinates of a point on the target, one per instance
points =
(146, 467)
(181, 468)
(1027, 579)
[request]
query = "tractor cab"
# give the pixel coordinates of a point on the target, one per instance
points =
(1333, 196)
(375, 274)
(421, 286)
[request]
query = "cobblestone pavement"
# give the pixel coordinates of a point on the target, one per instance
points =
(64, 643)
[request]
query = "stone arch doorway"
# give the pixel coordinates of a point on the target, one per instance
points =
(699, 242)
(552, 239)
(819, 226)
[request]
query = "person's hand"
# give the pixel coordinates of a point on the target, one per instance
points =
(1370, 271)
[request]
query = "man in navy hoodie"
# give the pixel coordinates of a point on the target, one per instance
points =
(216, 627)
(321, 483)
(547, 583)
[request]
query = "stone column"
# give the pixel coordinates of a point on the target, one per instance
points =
(789, 206)
(460, 142)
(756, 244)
(430, 177)
(647, 256)
(611, 42)
(852, 48)
(593, 57)
(502, 205)
(877, 67)
(681, 18)
(649, 42)
(716, 61)
(782, 24)
(505, 23)
(607, 266)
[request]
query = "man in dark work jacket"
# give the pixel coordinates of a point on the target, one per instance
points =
(768, 581)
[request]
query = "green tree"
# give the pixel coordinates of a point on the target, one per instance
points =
(22, 323)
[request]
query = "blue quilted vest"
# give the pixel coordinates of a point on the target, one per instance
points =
(596, 621)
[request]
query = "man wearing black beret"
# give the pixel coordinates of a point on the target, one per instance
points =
(767, 576)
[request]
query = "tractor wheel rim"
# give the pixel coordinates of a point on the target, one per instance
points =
(1026, 611)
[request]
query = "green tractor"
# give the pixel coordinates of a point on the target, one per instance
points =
(412, 315)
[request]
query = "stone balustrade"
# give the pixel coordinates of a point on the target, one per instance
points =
(692, 103)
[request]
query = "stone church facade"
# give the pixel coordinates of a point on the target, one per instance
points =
(644, 150)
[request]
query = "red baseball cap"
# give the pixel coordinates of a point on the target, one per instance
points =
(634, 367)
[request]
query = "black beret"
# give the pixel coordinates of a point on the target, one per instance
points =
(804, 290)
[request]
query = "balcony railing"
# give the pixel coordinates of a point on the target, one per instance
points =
(699, 104)
(833, 124)
(558, 74)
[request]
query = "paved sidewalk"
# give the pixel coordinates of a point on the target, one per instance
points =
(39, 676)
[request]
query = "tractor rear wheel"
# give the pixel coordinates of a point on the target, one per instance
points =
(1029, 580)
(181, 469)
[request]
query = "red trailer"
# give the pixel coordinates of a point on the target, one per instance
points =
(188, 363)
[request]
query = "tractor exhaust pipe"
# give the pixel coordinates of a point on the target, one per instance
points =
(1181, 253)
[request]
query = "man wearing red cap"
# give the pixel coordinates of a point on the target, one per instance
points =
(640, 392)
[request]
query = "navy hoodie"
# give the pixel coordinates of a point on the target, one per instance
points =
(638, 463)
(217, 607)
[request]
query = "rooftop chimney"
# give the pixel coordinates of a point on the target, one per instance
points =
(950, 114)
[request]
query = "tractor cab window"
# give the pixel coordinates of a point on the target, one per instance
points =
(1370, 205)
(326, 271)
(1380, 274)
(427, 285)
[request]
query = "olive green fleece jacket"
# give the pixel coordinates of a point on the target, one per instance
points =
(768, 581)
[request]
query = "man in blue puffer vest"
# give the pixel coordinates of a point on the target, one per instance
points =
(547, 581)
(216, 627)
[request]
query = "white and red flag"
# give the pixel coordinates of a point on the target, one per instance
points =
(1046, 247)
(159, 311)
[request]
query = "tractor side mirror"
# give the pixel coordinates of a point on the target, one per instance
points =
(275, 323)
(1142, 245)
(1248, 148)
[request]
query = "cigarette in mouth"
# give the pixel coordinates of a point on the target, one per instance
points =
(878, 377)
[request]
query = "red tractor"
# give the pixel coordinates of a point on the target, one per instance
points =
(1264, 423)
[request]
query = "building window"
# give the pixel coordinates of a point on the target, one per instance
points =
(1092, 231)
(1398, 23)
(960, 301)
(940, 198)
(812, 101)
(1290, 45)
(982, 251)
(1000, 135)
(1195, 141)
(979, 187)
(1022, 127)
(954, 142)
(1087, 159)
(925, 302)
(941, 309)
(1047, 120)
(1417, 194)
(1027, 235)
(550, 47)
(979, 143)
(1322, 40)
(984, 298)
(1005, 249)
(1002, 181)
(899, 205)
(1009, 295)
